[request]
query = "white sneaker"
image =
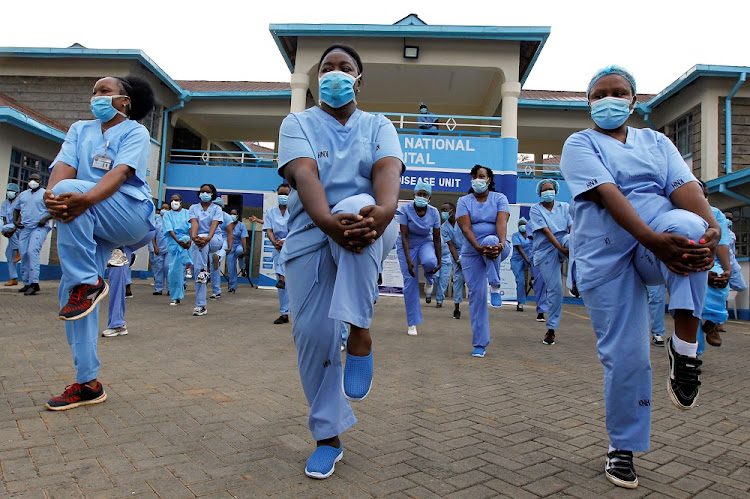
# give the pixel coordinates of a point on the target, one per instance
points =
(174, 303)
(214, 296)
(188, 274)
(118, 331)
(202, 277)
(117, 258)
(198, 311)
(428, 289)
(412, 331)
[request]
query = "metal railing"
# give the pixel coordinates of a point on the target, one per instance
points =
(223, 158)
(454, 125)
(537, 170)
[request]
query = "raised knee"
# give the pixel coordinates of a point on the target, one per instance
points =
(71, 185)
(491, 240)
(353, 204)
(682, 222)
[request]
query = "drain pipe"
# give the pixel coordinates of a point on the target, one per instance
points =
(646, 112)
(728, 124)
(184, 97)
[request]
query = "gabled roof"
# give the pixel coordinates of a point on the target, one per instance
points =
(410, 20)
(693, 74)
(24, 117)
(561, 99)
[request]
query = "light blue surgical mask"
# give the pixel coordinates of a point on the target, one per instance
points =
(445, 216)
(421, 202)
(283, 199)
(423, 110)
(234, 218)
(610, 112)
(103, 109)
(337, 88)
(11, 195)
(548, 196)
(522, 228)
(479, 185)
(205, 196)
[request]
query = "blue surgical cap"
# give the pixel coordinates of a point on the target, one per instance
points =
(219, 201)
(422, 185)
(522, 220)
(612, 69)
(13, 187)
(547, 181)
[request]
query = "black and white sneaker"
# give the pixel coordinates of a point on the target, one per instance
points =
(684, 378)
(202, 277)
(198, 311)
(540, 318)
(657, 339)
(620, 470)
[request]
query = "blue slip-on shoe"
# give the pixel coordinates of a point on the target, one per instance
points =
(478, 352)
(496, 299)
(322, 462)
(357, 379)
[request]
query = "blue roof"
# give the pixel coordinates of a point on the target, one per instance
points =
(552, 104)
(21, 120)
(690, 76)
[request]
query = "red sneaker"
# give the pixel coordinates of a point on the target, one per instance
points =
(76, 395)
(83, 299)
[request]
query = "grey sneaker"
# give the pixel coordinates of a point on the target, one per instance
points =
(118, 331)
(198, 311)
(117, 258)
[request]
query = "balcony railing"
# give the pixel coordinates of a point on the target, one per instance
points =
(536, 170)
(454, 125)
(223, 158)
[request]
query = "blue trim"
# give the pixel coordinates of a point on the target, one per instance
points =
(724, 190)
(17, 118)
(155, 142)
(241, 94)
(533, 60)
(743, 259)
(693, 74)
(553, 104)
(734, 179)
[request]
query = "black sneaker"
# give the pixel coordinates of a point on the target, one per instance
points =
(281, 284)
(456, 314)
(519, 308)
(156, 293)
(549, 337)
(282, 319)
(33, 289)
(439, 305)
(25, 288)
(540, 317)
(83, 298)
(620, 470)
(232, 291)
(428, 299)
(684, 378)
(76, 395)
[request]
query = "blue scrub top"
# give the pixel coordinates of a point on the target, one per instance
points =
(732, 240)
(7, 209)
(344, 155)
(483, 216)
(725, 239)
(453, 234)
(419, 228)
(226, 221)
(161, 239)
(427, 121)
(239, 232)
(177, 222)
(525, 243)
(32, 207)
(274, 220)
(557, 221)
(205, 217)
(647, 168)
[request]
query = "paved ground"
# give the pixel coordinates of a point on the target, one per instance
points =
(212, 406)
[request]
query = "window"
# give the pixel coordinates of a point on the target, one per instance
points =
(24, 164)
(682, 134)
(152, 122)
(741, 228)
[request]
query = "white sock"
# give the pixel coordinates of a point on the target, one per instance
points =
(610, 449)
(494, 289)
(684, 348)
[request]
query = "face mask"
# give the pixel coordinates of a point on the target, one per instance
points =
(283, 199)
(33, 185)
(176, 205)
(548, 196)
(234, 218)
(103, 109)
(11, 195)
(521, 228)
(337, 88)
(423, 110)
(610, 112)
(205, 196)
(479, 185)
(445, 216)
(420, 202)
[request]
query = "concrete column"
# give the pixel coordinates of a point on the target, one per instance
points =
(300, 85)
(710, 138)
(539, 160)
(510, 90)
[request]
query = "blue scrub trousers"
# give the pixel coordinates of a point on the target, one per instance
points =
(551, 270)
(540, 291)
(10, 254)
(736, 282)
(178, 259)
(159, 267)
(283, 293)
(216, 274)
(478, 270)
(31, 240)
(422, 254)
(201, 261)
(232, 260)
(656, 308)
(443, 276)
(621, 323)
(118, 278)
(84, 246)
(327, 287)
(458, 283)
(519, 266)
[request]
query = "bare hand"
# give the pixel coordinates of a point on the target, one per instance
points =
(719, 281)
(67, 206)
(349, 230)
(681, 255)
(156, 251)
(380, 218)
(565, 252)
(433, 271)
(412, 268)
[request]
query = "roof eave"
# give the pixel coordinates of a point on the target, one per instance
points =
(690, 76)
(21, 120)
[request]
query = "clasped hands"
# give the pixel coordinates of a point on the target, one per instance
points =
(356, 231)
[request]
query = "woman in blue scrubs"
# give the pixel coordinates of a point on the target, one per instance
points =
(639, 219)
(551, 220)
(205, 218)
(344, 167)
(217, 259)
(483, 216)
(420, 222)
(238, 250)
(454, 241)
(519, 261)
(99, 196)
(540, 290)
(176, 227)
(275, 224)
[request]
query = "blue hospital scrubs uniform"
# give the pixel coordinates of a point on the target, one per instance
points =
(31, 238)
(7, 209)
(646, 169)
(453, 234)
(160, 262)
(736, 282)
(274, 220)
(179, 257)
(328, 285)
(518, 265)
(540, 289)
(547, 257)
(446, 261)
(201, 256)
(119, 278)
(238, 234)
(478, 269)
(421, 251)
(715, 308)
(656, 302)
(125, 218)
(222, 229)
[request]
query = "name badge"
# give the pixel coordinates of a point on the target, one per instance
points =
(102, 162)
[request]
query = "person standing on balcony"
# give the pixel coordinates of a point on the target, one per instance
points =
(205, 218)
(225, 232)
(552, 223)
(275, 224)
(446, 265)
(176, 228)
(428, 122)
(238, 251)
(419, 244)
(639, 220)
(483, 216)
(12, 256)
(519, 261)
(99, 196)
(158, 251)
(344, 166)
(32, 220)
